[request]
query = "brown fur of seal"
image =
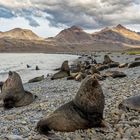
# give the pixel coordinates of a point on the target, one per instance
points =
(85, 111)
(13, 93)
(64, 71)
(107, 60)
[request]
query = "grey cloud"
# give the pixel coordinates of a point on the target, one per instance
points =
(90, 14)
(32, 22)
(5, 12)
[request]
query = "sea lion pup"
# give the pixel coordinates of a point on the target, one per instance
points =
(131, 103)
(85, 111)
(13, 93)
(64, 71)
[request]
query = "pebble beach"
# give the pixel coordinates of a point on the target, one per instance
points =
(20, 123)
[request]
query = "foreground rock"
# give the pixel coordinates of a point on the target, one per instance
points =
(13, 93)
(130, 103)
(64, 71)
(36, 79)
(85, 111)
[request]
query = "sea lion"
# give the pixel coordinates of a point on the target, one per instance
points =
(93, 70)
(107, 60)
(115, 74)
(1, 85)
(37, 68)
(80, 76)
(130, 103)
(123, 65)
(36, 79)
(13, 93)
(137, 58)
(83, 112)
(64, 71)
(134, 64)
(102, 67)
(28, 66)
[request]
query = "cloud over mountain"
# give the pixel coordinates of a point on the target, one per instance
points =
(90, 14)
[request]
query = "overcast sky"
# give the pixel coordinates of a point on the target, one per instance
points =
(48, 17)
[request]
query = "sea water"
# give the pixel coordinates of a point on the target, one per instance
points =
(18, 62)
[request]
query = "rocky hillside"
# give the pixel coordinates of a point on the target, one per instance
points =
(118, 34)
(19, 33)
(73, 34)
(73, 39)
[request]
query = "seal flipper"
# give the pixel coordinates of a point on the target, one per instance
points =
(43, 128)
(9, 102)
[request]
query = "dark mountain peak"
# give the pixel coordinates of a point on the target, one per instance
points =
(76, 28)
(119, 26)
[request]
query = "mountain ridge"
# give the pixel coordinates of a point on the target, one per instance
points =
(70, 40)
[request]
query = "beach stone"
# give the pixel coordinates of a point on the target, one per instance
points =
(14, 137)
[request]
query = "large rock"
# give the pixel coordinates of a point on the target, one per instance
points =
(13, 93)
(85, 111)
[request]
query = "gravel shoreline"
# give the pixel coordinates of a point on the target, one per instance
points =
(20, 123)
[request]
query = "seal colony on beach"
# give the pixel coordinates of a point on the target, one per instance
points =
(84, 111)
(13, 93)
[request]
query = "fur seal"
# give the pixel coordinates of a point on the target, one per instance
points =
(36, 79)
(130, 103)
(107, 60)
(13, 93)
(115, 74)
(134, 64)
(37, 68)
(64, 71)
(83, 112)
